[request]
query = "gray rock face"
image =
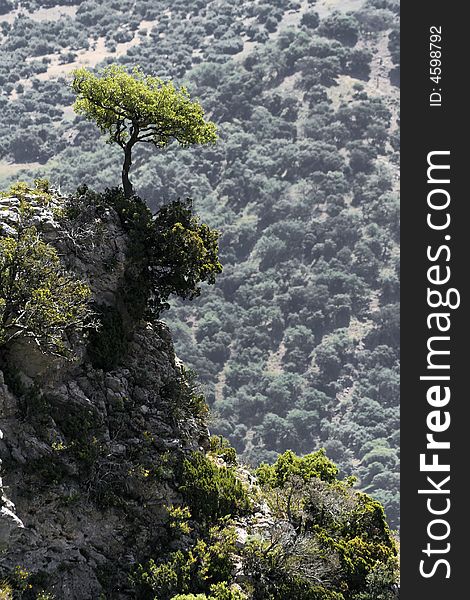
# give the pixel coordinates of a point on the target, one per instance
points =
(86, 468)
(9, 520)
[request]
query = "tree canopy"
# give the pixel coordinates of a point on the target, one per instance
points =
(134, 107)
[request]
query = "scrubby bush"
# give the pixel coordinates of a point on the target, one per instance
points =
(205, 567)
(218, 591)
(212, 492)
(168, 253)
(39, 300)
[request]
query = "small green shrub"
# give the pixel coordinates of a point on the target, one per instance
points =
(169, 253)
(6, 591)
(39, 300)
(212, 492)
(312, 465)
(184, 395)
(219, 591)
(219, 446)
(198, 570)
(20, 579)
(178, 519)
(190, 597)
(280, 568)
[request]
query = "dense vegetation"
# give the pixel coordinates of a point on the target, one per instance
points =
(327, 542)
(39, 300)
(297, 345)
(294, 529)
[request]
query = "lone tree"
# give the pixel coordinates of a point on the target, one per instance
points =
(134, 107)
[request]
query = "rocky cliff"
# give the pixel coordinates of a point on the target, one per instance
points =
(111, 486)
(81, 447)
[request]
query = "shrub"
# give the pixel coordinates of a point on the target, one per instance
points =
(39, 300)
(219, 591)
(184, 396)
(6, 591)
(219, 446)
(198, 570)
(169, 253)
(310, 19)
(341, 27)
(282, 569)
(288, 464)
(210, 491)
(185, 253)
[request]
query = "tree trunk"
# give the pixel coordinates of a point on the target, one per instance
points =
(127, 185)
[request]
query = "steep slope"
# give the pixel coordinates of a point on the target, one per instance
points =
(84, 451)
(111, 486)
(297, 345)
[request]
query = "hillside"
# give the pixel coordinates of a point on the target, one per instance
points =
(111, 487)
(297, 344)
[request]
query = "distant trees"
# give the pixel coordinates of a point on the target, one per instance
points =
(5, 6)
(341, 27)
(25, 147)
(310, 19)
(302, 184)
(394, 48)
(133, 108)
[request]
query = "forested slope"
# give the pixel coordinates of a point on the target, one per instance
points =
(297, 344)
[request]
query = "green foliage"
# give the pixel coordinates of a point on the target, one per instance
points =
(278, 570)
(333, 534)
(6, 591)
(133, 108)
(212, 492)
(221, 591)
(185, 253)
(124, 104)
(179, 517)
(220, 447)
(136, 220)
(22, 584)
(306, 467)
(218, 591)
(381, 583)
(16, 584)
(184, 396)
(207, 563)
(341, 27)
(39, 300)
(170, 253)
(190, 597)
